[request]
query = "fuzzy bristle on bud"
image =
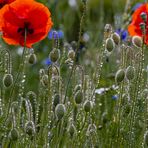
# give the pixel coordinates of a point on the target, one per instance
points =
(130, 72)
(60, 111)
(7, 80)
(116, 38)
(78, 97)
(119, 77)
(137, 41)
(54, 55)
(109, 44)
(32, 59)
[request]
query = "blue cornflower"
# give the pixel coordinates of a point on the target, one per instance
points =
(123, 33)
(47, 62)
(55, 34)
(115, 97)
(136, 6)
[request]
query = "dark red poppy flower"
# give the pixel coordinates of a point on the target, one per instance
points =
(25, 17)
(134, 28)
(4, 2)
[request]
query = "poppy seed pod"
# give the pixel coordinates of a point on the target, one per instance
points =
(32, 59)
(60, 111)
(78, 97)
(87, 106)
(116, 38)
(30, 128)
(137, 41)
(54, 55)
(71, 54)
(109, 44)
(14, 135)
(119, 77)
(130, 72)
(7, 80)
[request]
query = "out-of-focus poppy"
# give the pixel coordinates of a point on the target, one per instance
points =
(4, 2)
(25, 16)
(134, 28)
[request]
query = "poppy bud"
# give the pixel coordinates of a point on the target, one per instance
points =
(87, 106)
(71, 54)
(54, 55)
(60, 111)
(130, 72)
(32, 59)
(56, 99)
(7, 80)
(54, 71)
(77, 87)
(30, 128)
(146, 138)
(116, 38)
(14, 135)
(120, 75)
(143, 16)
(72, 130)
(78, 97)
(44, 80)
(110, 45)
(137, 41)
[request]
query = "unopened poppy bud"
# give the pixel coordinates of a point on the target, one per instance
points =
(56, 99)
(137, 41)
(71, 54)
(130, 72)
(72, 130)
(54, 55)
(30, 128)
(146, 138)
(7, 80)
(87, 106)
(60, 111)
(32, 59)
(78, 97)
(44, 80)
(119, 77)
(143, 16)
(110, 45)
(116, 38)
(14, 135)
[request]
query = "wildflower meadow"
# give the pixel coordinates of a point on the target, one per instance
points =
(73, 74)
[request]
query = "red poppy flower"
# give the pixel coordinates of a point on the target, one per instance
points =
(4, 2)
(25, 15)
(134, 28)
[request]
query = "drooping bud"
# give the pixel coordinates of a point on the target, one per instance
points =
(7, 80)
(71, 54)
(130, 72)
(60, 111)
(32, 59)
(87, 106)
(137, 41)
(77, 87)
(110, 45)
(119, 77)
(78, 97)
(30, 128)
(44, 80)
(72, 130)
(54, 55)
(14, 135)
(56, 99)
(116, 38)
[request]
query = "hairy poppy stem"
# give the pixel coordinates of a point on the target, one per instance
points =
(21, 66)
